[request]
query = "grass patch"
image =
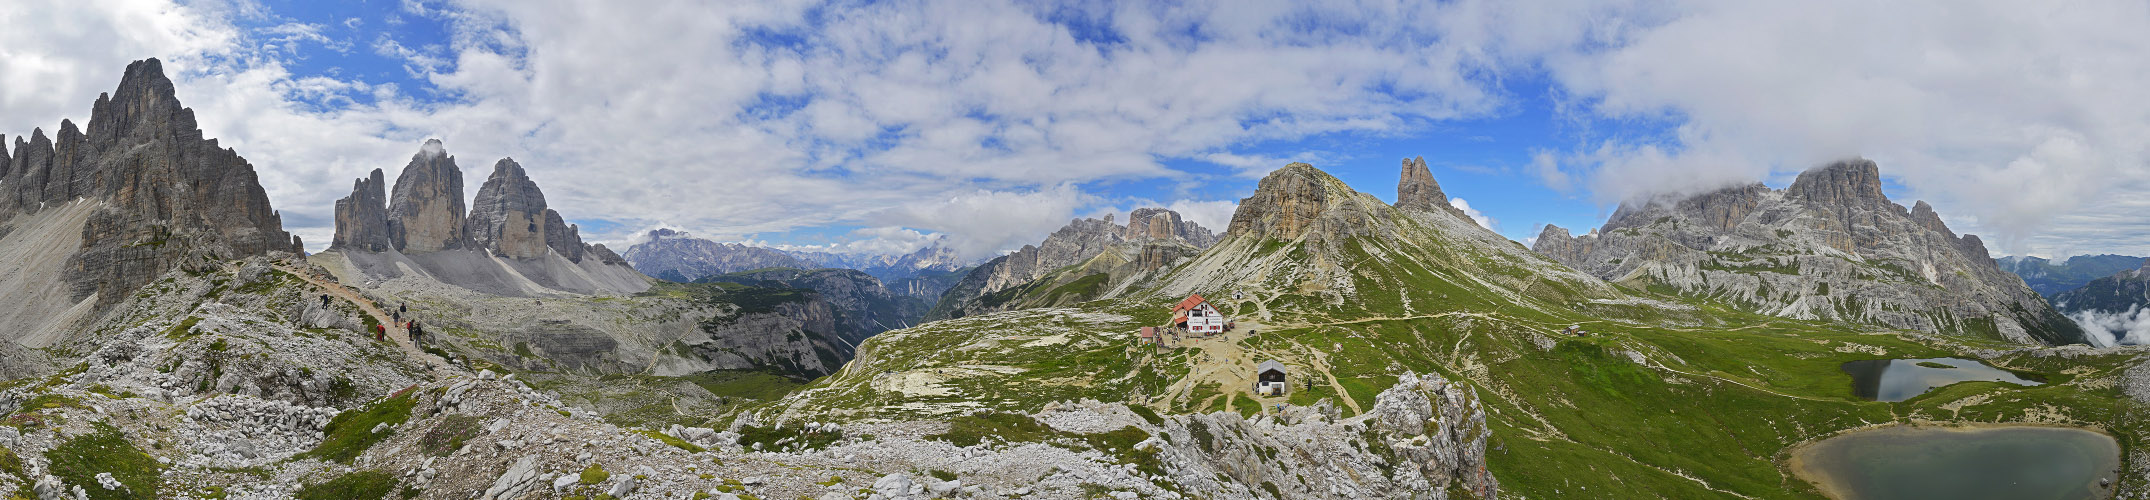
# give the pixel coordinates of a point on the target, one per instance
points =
(351, 432)
(448, 435)
(79, 460)
(593, 474)
(771, 438)
(668, 439)
(969, 430)
(362, 485)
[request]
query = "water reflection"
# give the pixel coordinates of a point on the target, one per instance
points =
(1901, 379)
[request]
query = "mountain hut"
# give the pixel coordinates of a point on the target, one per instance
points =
(1195, 315)
(1269, 378)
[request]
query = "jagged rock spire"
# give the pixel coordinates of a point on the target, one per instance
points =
(1417, 190)
(171, 198)
(425, 213)
(362, 217)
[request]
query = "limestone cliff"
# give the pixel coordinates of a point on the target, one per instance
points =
(157, 196)
(1829, 247)
(362, 217)
(425, 212)
(1417, 190)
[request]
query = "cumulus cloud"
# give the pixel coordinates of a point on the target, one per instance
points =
(982, 223)
(2107, 329)
(749, 118)
(1214, 215)
(2021, 120)
(1475, 215)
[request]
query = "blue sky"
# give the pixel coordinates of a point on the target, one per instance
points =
(883, 126)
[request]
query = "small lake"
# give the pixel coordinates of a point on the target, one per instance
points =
(1905, 462)
(1901, 379)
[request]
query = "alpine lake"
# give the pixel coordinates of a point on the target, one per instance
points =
(1970, 463)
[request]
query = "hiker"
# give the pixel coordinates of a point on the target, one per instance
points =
(416, 331)
(403, 308)
(398, 316)
(324, 300)
(380, 333)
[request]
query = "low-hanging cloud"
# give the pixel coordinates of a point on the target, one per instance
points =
(2107, 329)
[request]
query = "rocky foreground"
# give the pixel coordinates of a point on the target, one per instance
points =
(241, 383)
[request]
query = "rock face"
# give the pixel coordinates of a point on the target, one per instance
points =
(425, 212)
(1153, 239)
(1418, 191)
(362, 217)
(170, 198)
(509, 218)
(1830, 247)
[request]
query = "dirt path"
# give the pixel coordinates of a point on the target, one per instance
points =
(434, 364)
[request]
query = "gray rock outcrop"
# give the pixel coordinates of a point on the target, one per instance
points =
(1829, 247)
(362, 217)
(1417, 190)
(425, 212)
(509, 218)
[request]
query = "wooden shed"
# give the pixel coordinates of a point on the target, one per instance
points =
(1269, 378)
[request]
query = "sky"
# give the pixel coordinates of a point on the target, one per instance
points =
(879, 127)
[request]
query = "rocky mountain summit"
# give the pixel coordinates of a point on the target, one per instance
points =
(1829, 247)
(509, 243)
(87, 216)
(1105, 256)
(1306, 243)
(1418, 191)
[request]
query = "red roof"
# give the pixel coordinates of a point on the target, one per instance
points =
(1149, 332)
(1190, 303)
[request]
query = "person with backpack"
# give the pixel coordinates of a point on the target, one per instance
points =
(380, 333)
(416, 331)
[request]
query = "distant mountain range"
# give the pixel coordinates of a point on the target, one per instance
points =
(2050, 279)
(677, 256)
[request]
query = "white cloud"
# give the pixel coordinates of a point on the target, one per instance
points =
(2107, 329)
(2026, 121)
(1476, 216)
(982, 223)
(1214, 215)
(2023, 119)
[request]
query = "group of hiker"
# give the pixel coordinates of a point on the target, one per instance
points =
(380, 332)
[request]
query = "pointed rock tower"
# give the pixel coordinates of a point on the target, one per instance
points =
(510, 218)
(362, 217)
(425, 213)
(1417, 190)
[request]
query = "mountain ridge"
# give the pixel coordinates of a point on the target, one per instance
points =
(1831, 246)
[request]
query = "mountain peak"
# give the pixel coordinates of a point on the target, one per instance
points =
(1289, 202)
(510, 218)
(426, 207)
(1855, 181)
(1417, 189)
